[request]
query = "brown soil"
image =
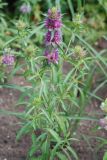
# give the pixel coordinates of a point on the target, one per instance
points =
(9, 148)
(12, 150)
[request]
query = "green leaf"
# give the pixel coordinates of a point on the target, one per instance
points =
(30, 110)
(47, 116)
(63, 105)
(54, 151)
(105, 156)
(17, 114)
(69, 76)
(45, 149)
(8, 42)
(49, 3)
(54, 75)
(33, 139)
(71, 7)
(83, 118)
(13, 86)
(14, 71)
(24, 130)
(72, 152)
(54, 135)
(61, 121)
(32, 150)
(61, 156)
(32, 65)
(41, 138)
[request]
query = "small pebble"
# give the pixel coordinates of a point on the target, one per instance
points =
(11, 94)
(8, 136)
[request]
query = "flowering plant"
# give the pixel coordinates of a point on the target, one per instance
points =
(56, 98)
(59, 72)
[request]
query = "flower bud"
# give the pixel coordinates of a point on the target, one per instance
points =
(52, 57)
(103, 123)
(25, 8)
(104, 106)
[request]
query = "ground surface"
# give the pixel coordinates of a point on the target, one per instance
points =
(12, 150)
(9, 148)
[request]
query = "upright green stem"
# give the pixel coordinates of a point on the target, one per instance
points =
(49, 3)
(79, 4)
(58, 4)
(71, 7)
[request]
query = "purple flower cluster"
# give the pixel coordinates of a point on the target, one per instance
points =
(25, 8)
(53, 56)
(53, 36)
(52, 24)
(103, 123)
(8, 59)
(55, 39)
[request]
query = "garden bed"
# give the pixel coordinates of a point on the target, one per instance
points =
(53, 80)
(10, 149)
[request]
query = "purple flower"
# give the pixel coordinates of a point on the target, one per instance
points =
(103, 123)
(25, 8)
(54, 38)
(52, 56)
(53, 20)
(53, 24)
(48, 38)
(57, 37)
(8, 59)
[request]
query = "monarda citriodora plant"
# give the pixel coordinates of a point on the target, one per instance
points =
(56, 100)
(56, 96)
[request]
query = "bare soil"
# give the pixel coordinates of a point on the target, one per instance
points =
(9, 148)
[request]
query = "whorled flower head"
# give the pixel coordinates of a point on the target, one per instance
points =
(57, 37)
(21, 25)
(25, 8)
(53, 38)
(54, 13)
(48, 38)
(52, 57)
(103, 123)
(79, 52)
(103, 106)
(53, 20)
(8, 59)
(53, 24)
